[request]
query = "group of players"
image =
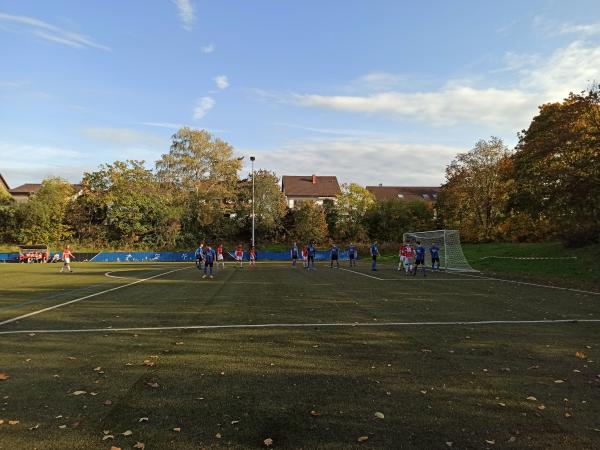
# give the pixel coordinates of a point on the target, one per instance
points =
(206, 256)
(413, 256)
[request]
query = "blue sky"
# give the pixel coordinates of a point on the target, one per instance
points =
(372, 91)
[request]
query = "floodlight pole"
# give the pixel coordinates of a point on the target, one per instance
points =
(252, 158)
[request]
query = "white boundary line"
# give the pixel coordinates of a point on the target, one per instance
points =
(410, 277)
(360, 273)
(310, 325)
(548, 286)
(14, 319)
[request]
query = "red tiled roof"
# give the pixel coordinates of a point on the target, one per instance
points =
(27, 188)
(303, 186)
(404, 192)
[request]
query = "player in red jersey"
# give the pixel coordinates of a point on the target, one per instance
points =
(239, 254)
(67, 255)
(220, 258)
(252, 256)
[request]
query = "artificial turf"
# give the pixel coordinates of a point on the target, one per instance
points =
(437, 386)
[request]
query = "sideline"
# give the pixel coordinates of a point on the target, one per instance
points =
(310, 325)
(14, 319)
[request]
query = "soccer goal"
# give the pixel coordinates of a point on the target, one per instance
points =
(448, 241)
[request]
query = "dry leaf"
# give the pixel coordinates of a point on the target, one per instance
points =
(177, 429)
(79, 392)
(218, 436)
(35, 427)
(108, 436)
(490, 442)
(179, 343)
(502, 404)
(541, 407)
(568, 414)
(233, 422)
(13, 422)
(143, 419)
(62, 427)
(580, 355)
(449, 444)
(423, 392)
(127, 433)
(315, 413)
(108, 402)
(153, 384)
(531, 398)
(149, 363)
(140, 445)
(379, 415)
(97, 369)
(268, 442)
(115, 448)
(4, 376)
(363, 439)
(559, 381)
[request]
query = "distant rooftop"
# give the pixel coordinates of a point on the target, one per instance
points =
(423, 193)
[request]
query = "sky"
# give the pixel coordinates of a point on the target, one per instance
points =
(373, 91)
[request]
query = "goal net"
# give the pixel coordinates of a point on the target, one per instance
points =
(448, 241)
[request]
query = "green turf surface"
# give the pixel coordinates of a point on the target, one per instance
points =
(464, 384)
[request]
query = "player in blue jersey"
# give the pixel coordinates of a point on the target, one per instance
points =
(420, 259)
(199, 254)
(434, 251)
(209, 259)
(374, 254)
(352, 254)
(312, 252)
(294, 254)
(335, 253)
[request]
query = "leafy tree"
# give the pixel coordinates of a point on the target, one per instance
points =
(8, 217)
(352, 204)
(557, 166)
(474, 197)
(309, 223)
(388, 220)
(43, 216)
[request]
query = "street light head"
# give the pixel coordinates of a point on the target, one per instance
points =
(252, 158)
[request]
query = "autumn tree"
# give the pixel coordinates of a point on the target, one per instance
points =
(388, 220)
(351, 206)
(309, 223)
(474, 196)
(557, 166)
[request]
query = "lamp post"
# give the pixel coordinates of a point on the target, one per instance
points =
(252, 158)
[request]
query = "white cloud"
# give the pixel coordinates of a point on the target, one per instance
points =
(364, 161)
(222, 82)
(168, 125)
(186, 13)
(588, 29)
(381, 80)
(203, 105)
(123, 137)
(51, 32)
(207, 49)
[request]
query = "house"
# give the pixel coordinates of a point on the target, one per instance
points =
(409, 193)
(23, 192)
(298, 189)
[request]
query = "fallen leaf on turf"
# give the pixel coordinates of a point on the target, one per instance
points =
(115, 448)
(179, 343)
(79, 392)
(153, 384)
(13, 422)
(140, 445)
(108, 402)
(512, 439)
(541, 407)
(580, 355)
(268, 442)
(177, 429)
(315, 413)
(379, 415)
(35, 427)
(559, 381)
(71, 358)
(449, 444)
(218, 436)
(62, 427)
(568, 414)
(490, 442)
(4, 376)
(149, 363)
(1, 421)
(108, 436)
(502, 404)
(97, 369)
(127, 433)
(143, 419)
(233, 422)
(531, 398)
(423, 392)
(363, 439)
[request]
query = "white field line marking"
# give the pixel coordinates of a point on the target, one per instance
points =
(311, 325)
(14, 319)
(363, 274)
(411, 277)
(581, 291)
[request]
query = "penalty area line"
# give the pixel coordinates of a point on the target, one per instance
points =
(14, 319)
(309, 325)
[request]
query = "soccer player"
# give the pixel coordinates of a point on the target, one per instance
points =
(239, 254)
(209, 259)
(401, 257)
(305, 257)
(252, 256)
(420, 259)
(352, 254)
(374, 255)
(335, 256)
(220, 258)
(409, 253)
(199, 254)
(67, 255)
(294, 252)
(434, 251)
(312, 252)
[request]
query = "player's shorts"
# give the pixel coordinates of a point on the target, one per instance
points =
(208, 264)
(67, 260)
(404, 259)
(420, 261)
(435, 259)
(351, 255)
(220, 257)
(238, 257)
(374, 257)
(334, 257)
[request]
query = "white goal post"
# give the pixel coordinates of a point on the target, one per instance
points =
(451, 254)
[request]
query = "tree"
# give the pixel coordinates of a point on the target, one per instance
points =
(43, 216)
(352, 204)
(557, 166)
(475, 195)
(388, 220)
(8, 217)
(309, 223)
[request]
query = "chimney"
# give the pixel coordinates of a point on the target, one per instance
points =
(314, 179)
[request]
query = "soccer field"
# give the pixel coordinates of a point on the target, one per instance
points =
(317, 359)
